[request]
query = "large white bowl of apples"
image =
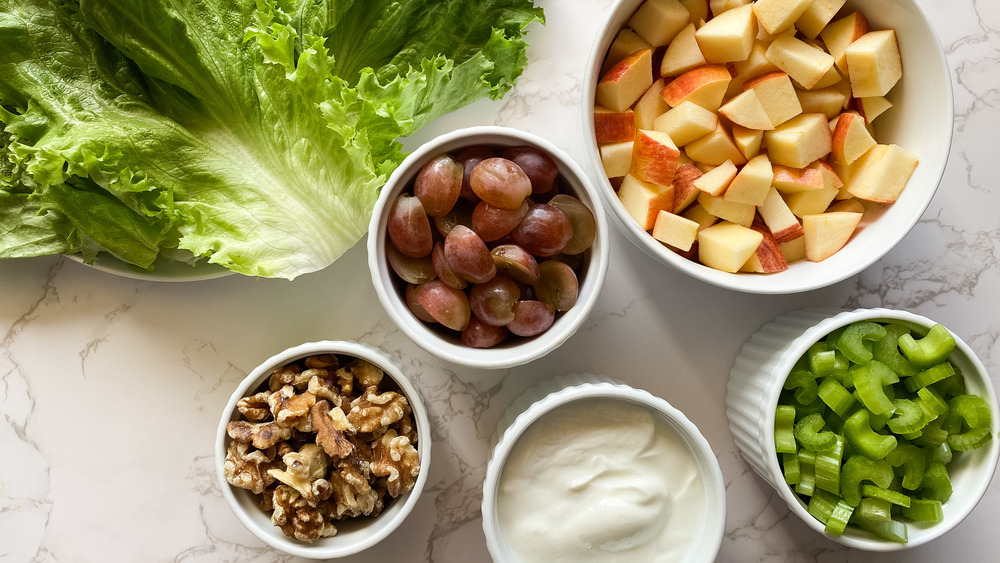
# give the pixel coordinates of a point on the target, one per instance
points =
(773, 146)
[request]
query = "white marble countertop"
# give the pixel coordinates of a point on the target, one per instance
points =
(111, 388)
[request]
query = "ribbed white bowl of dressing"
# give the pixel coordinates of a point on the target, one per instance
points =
(587, 469)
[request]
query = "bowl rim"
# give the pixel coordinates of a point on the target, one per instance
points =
(502, 357)
(794, 350)
(769, 284)
(600, 387)
(256, 378)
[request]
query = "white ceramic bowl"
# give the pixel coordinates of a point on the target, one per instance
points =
(752, 396)
(352, 536)
(920, 121)
(446, 344)
(558, 391)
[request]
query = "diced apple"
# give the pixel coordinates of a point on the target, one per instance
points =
(682, 54)
(826, 233)
(817, 15)
(831, 179)
(732, 211)
(872, 107)
(675, 230)
(792, 180)
(803, 63)
(831, 78)
(685, 192)
(793, 250)
(752, 182)
(729, 36)
(881, 174)
(722, 6)
(650, 106)
(747, 111)
(700, 215)
(658, 21)
(747, 140)
(645, 200)
(828, 101)
(837, 35)
(851, 138)
(697, 8)
(777, 94)
(851, 205)
(626, 43)
(776, 16)
(654, 157)
(626, 81)
(800, 140)
(716, 180)
(767, 258)
(810, 202)
(617, 158)
(715, 148)
(613, 126)
(874, 63)
(705, 85)
(756, 64)
(686, 122)
(727, 246)
(780, 220)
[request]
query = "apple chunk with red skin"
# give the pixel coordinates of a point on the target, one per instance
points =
(851, 138)
(705, 85)
(613, 126)
(882, 173)
(728, 37)
(626, 81)
(644, 200)
(874, 63)
(655, 157)
(727, 246)
(826, 233)
(839, 34)
(800, 141)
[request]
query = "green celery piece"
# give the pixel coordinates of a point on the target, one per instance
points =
(924, 510)
(951, 386)
(941, 453)
(866, 441)
(933, 434)
(791, 469)
(835, 396)
(887, 351)
(933, 348)
(936, 484)
(831, 339)
(822, 361)
(822, 504)
(928, 376)
(875, 516)
(839, 518)
(815, 407)
(972, 439)
(878, 422)
(784, 438)
(852, 342)
(870, 381)
(972, 409)
(859, 468)
(827, 467)
(913, 460)
(804, 384)
(840, 366)
(931, 403)
(907, 417)
(871, 491)
(808, 433)
(807, 471)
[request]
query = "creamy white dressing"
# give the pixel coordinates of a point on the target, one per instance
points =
(600, 480)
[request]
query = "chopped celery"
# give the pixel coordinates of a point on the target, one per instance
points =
(923, 510)
(972, 409)
(933, 434)
(809, 432)
(790, 464)
(913, 461)
(821, 505)
(822, 361)
(887, 351)
(835, 396)
(838, 518)
(827, 467)
(870, 380)
(930, 375)
(784, 419)
(970, 440)
(942, 453)
(875, 516)
(804, 383)
(936, 484)
(807, 472)
(852, 342)
(859, 468)
(866, 441)
(931, 403)
(871, 491)
(907, 417)
(933, 348)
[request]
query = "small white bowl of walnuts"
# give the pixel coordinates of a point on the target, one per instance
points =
(323, 449)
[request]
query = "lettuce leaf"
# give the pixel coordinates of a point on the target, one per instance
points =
(255, 135)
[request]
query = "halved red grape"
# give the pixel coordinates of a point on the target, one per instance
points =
(411, 270)
(468, 256)
(492, 223)
(444, 270)
(408, 226)
(415, 307)
(557, 285)
(478, 334)
(531, 318)
(470, 157)
(447, 305)
(460, 214)
(544, 231)
(537, 164)
(438, 185)
(493, 301)
(517, 262)
(500, 182)
(581, 218)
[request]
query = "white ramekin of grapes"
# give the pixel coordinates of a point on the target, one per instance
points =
(877, 427)
(488, 247)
